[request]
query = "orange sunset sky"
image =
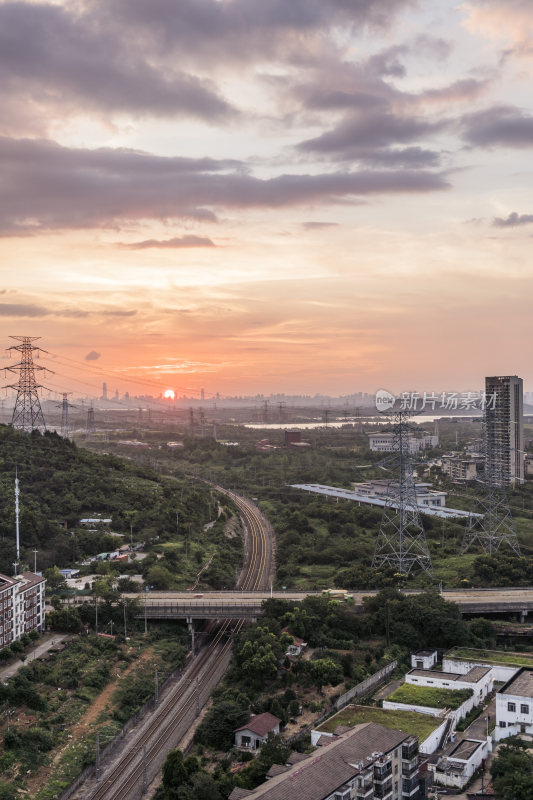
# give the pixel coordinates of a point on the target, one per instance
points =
(254, 196)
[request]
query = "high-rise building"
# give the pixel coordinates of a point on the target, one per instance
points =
(504, 458)
(104, 391)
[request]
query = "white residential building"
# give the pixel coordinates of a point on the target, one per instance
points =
(424, 659)
(478, 679)
(514, 705)
(257, 730)
(21, 606)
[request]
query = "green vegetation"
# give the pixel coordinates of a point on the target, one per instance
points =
(512, 771)
(492, 656)
(116, 674)
(184, 525)
(421, 725)
(430, 696)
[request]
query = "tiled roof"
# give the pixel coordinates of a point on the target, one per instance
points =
(296, 758)
(261, 725)
(321, 774)
(240, 794)
(276, 769)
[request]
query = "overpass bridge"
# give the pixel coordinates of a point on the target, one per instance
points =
(247, 605)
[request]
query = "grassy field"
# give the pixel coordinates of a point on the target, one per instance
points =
(492, 656)
(411, 722)
(430, 696)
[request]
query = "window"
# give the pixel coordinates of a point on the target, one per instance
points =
(511, 707)
(502, 724)
(524, 709)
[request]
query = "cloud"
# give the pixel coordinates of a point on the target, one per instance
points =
(92, 356)
(513, 220)
(312, 225)
(118, 313)
(32, 310)
(374, 136)
(506, 126)
(46, 186)
(187, 240)
(56, 56)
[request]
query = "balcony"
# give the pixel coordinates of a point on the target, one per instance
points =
(383, 790)
(409, 787)
(409, 768)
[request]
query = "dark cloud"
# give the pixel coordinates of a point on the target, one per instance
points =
(53, 55)
(188, 240)
(22, 310)
(513, 220)
(374, 137)
(92, 356)
(504, 126)
(47, 186)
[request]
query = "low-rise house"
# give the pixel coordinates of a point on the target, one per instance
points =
(256, 731)
(456, 768)
(478, 679)
(424, 659)
(366, 763)
(514, 705)
(504, 665)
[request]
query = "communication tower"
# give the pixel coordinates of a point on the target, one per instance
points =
(27, 413)
(401, 543)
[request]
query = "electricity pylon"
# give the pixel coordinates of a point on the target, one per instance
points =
(27, 413)
(65, 424)
(91, 427)
(495, 527)
(401, 543)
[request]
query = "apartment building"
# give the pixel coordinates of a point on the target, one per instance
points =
(21, 606)
(368, 762)
(514, 705)
(504, 459)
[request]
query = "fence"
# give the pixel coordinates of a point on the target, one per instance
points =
(360, 690)
(111, 747)
(366, 686)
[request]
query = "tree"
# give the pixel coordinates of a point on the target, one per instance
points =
(512, 771)
(159, 577)
(174, 774)
(325, 671)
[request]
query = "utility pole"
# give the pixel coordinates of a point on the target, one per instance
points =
(97, 756)
(35, 560)
(27, 413)
(145, 773)
(125, 618)
(156, 688)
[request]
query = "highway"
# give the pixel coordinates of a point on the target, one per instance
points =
(147, 745)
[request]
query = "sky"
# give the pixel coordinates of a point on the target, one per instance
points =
(255, 196)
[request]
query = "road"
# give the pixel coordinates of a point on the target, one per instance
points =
(247, 604)
(140, 761)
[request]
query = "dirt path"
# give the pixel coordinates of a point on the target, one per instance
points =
(81, 728)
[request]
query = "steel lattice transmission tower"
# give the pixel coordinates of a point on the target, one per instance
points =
(495, 527)
(91, 427)
(65, 424)
(401, 543)
(27, 413)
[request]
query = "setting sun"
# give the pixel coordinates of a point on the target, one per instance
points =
(169, 394)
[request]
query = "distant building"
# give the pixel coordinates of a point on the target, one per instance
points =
(384, 442)
(504, 430)
(379, 488)
(292, 437)
(528, 464)
(462, 469)
(89, 522)
(21, 606)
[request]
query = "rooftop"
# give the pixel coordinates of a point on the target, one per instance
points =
(490, 656)
(472, 676)
(520, 685)
(333, 766)
(410, 722)
(261, 724)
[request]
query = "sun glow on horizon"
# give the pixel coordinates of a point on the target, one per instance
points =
(169, 394)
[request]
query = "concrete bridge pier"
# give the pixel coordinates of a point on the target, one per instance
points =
(190, 626)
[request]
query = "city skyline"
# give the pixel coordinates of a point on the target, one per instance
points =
(258, 197)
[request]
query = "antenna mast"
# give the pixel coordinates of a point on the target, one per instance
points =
(17, 527)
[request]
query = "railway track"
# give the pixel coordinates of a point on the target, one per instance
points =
(128, 776)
